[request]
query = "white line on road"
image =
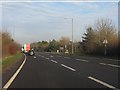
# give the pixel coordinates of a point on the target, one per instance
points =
(102, 63)
(101, 82)
(47, 58)
(113, 65)
(68, 67)
(54, 61)
(34, 56)
(15, 74)
(51, 56)
(108, 59)
(77, 59)
(82, 60)
(109, 65)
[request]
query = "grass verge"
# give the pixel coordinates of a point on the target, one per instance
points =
(10, 60)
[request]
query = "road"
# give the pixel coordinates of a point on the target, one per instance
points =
(47, 70)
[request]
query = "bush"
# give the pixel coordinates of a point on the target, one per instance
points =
(9, 46)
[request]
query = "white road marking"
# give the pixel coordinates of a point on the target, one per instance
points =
(82, 60)
(113, 65)
(34, 56)
(67, 57)
(102, 63)
(101, 82)
(51, 56)
(68, 67)
(14, 76)
(47, 58)
(77, 59)
(54, 61)
(107, 59)
(109, 65)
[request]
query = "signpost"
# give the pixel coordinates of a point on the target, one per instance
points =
(105, 42)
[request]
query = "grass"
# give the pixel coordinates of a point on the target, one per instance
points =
(10, 60)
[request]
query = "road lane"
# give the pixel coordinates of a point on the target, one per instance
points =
(42, 73)
(91, 59)
(105, 73)
(57, 72)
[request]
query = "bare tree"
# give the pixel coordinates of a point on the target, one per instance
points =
(106, 30)
(64, 41)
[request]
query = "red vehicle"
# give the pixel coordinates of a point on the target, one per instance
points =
(27, 49)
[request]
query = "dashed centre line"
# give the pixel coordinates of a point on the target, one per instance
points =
(68, 67)
(102, 63)
(51, 56)
(101, 82)
(54, 61)
(34, 56)
(82, 60)
(47, 58)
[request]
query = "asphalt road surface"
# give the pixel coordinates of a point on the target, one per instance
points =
(47, 70)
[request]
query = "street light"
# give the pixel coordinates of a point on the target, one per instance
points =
(72, 32)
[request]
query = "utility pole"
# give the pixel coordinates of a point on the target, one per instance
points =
(72, 36)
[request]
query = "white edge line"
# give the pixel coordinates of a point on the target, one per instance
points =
(14, 76)
(54, 61)
(108, 59)
(101, 82)
(68, 67)
(112, 65)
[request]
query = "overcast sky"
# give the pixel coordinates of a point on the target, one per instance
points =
(36, 21)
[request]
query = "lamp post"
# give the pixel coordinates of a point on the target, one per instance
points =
(72, 33)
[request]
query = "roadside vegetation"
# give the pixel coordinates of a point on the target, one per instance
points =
(9, 46)
(10, 60)
(10, 50)
(91, 44)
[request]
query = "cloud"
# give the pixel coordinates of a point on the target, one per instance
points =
(34, 21)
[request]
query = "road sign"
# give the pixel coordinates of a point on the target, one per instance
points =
(105, 41)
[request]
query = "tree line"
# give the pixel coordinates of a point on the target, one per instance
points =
(92, 40)
(52, 45)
